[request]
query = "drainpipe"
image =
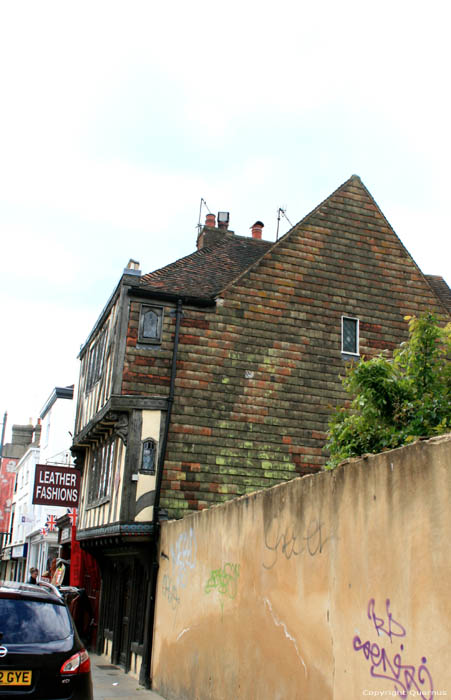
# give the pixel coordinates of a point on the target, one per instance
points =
(144, 676)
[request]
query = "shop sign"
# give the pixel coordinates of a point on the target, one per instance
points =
(19, 551)
(66, 533)
(56, 486)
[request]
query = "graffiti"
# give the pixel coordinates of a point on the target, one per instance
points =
(169, 591)
(183, 557)
(394, 629)
(388, 666)
(224, 580)
(292, 544)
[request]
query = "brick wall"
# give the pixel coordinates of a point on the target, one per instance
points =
(257, 375)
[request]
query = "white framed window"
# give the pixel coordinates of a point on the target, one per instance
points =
(350, 335)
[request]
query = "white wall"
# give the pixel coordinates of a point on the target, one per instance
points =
(57, 427)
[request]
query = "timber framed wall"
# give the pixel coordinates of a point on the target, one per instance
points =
(331, 586)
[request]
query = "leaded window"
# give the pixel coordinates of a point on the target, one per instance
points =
(150, 324)
(149, 455)
(101, 471)
(350, 335)
(95, 361)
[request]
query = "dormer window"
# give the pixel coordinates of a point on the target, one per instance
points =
(349, 335)
(150, 324)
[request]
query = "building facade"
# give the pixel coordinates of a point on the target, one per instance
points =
(56, 419)
(8, 467)
(33, 540)
(23, 437)
(216, 375)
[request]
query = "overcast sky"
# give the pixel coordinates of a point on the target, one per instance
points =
(117, 117)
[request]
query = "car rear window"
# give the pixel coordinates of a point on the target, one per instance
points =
(31, 621)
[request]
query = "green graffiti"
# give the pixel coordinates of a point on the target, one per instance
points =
(224, 581)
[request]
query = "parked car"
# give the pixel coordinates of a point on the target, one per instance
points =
(41, 655)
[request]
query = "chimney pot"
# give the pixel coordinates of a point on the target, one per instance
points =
(210, 221)
(257, 229)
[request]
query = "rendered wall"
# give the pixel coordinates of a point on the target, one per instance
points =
(335, 585)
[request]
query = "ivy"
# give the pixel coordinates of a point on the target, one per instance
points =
(394, 401)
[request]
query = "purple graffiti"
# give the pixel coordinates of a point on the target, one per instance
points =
(394, 629)
(405, 676)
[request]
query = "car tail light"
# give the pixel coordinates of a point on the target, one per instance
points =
(78, 663)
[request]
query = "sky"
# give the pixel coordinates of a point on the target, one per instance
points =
(117, 118)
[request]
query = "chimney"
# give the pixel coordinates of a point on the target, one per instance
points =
(22, 435)
(210, 235)
(257, 230)
(132, 268)
(210, 221)
(223, 219)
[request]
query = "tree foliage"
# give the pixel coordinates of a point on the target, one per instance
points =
(396, 400)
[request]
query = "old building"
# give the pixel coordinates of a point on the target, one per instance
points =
(215, 376)
(18, 457)
(32, 543)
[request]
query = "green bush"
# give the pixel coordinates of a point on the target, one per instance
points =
(396, 400)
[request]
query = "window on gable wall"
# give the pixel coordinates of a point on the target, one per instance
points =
(349, 335)
(150, 324)
(95, 362)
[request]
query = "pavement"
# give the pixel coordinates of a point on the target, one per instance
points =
(111, 682)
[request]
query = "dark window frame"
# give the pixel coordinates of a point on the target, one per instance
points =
(152, 470)
(158, 311)
(101, 468)
(96, 360)
(356, 322)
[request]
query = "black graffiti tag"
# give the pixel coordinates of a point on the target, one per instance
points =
(310, 540)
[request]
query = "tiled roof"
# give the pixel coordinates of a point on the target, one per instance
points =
(207, 271)
(441, 289)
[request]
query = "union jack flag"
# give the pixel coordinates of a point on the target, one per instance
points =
(51, 523)
(43, 531)
(72, 512)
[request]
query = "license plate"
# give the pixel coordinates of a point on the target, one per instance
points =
(15, 678)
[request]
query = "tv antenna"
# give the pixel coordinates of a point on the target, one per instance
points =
(282, 211)
(203, 203)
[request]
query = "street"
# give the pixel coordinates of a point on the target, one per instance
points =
(111, 682)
